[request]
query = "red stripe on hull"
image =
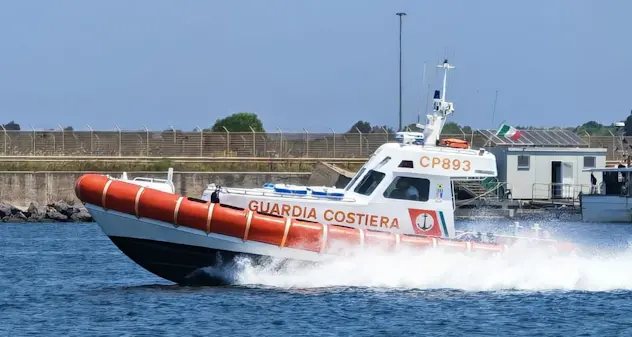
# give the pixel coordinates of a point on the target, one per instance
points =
(239, 223)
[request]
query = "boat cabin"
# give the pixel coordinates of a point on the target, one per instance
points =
(411, 171)
(611, 181)
(608, 201)
(405, 187)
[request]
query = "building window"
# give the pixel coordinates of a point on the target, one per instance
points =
(369, 182)
(590, 162)
(523, 162)
(408, 188)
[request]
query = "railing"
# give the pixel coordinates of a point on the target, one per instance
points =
(558, 191)
(190, 144)
(262, 192)
(494, 190)
(172, 143)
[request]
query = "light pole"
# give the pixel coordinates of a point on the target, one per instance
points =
(400, 69)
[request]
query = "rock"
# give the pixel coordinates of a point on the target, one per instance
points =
(82, 216)
(35, 213)
(5, 210)
(11, 213)
(37, 217)
(61, 207)
(34, 208)
(18, 217)
(53, 214)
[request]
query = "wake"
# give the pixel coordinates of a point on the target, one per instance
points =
(518, 269)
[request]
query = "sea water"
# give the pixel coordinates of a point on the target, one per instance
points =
(70, 280)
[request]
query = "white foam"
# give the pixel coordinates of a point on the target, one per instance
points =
(523, 269)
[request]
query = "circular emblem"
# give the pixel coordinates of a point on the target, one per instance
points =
(424, 222)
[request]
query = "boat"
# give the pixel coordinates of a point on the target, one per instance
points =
(401, 198)
(610, 201)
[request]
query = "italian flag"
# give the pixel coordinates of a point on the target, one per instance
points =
(508, 132)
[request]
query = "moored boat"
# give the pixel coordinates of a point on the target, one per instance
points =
(402, 198)
(610, 201)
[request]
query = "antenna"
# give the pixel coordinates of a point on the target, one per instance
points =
(494, 110)
(423, 82)
(446, 66)
(427, 100)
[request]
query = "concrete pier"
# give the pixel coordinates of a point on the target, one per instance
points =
(22, 188)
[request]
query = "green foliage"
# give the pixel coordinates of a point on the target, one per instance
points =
(412, 127)
(12, 126)
(628, 125)
(364, 127)
(239, 122)
(451, 128)
(595, 129)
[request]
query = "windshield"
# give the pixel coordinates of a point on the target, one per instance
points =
(358, 175)
(363, 168)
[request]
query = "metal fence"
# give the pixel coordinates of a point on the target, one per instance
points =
(175, 143)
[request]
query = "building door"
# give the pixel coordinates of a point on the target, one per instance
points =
(556, 179)
(567, 180)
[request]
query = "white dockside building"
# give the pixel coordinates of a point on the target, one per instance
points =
(544, 164)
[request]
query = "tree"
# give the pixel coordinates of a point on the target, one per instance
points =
(451, 128)
(364, 127)
(381, 129)
(412, 127)
(12, 126)
(594, 129)
(628, 125)
(239, 122)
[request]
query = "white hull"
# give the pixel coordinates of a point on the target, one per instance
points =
(184, 255)
(117, 224)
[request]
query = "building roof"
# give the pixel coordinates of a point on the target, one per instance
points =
(537, 138)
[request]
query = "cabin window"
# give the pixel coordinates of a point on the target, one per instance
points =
(408, 188)
(353, 181)
(590, 162)
(369, 182)
(524, 162)
(406, 164)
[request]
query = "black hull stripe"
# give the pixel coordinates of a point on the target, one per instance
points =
(179, 263)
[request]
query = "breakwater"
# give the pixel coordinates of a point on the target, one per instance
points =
(50, 196)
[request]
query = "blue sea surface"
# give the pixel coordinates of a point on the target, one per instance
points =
(70, 280)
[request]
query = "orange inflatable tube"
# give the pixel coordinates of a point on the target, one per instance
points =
(247, 225)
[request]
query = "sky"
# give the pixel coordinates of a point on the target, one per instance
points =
(307, 64)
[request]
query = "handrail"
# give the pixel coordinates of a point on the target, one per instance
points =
(474, 178)
(574, 192)
(151, 180)
(262, 192)
(146, 180)
(489, 191)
